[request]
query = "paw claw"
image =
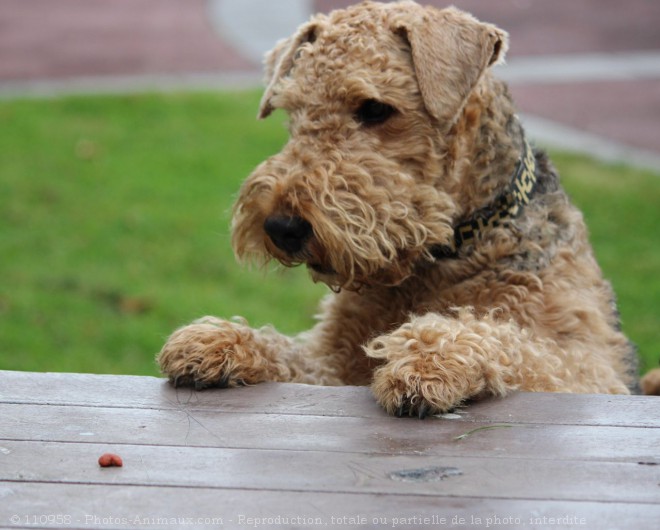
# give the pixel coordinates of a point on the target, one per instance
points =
(406, 408)
(201, 385)
(224, 382)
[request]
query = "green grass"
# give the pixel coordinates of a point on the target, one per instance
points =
(620, 205)
(114, 216)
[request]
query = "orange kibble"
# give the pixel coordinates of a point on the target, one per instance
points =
(110, 460)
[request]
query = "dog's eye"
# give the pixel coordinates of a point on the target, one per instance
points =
(373, 112)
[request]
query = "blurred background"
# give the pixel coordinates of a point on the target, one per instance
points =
(126, 127)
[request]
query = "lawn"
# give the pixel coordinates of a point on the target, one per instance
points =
(114, 229)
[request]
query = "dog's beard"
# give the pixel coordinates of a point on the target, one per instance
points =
(342, 259)
(356, 241)
(339, 269)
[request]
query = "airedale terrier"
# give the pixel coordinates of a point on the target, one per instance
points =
(458, 266)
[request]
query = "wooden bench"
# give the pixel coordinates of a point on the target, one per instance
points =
(297, 456)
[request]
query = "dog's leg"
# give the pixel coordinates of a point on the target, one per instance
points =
(651, 383)
(435, 362)
(212, 352)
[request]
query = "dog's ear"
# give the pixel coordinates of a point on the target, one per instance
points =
(450, 51)
(279, 61)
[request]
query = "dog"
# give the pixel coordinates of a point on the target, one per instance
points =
(459, 268)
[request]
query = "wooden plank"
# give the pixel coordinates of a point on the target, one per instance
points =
(323, 452)
(327, 433)
(122, 507)
(568, 409)
(278, 398)
(449, 476)
(156, 393)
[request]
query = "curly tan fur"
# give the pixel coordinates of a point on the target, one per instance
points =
(524, 307)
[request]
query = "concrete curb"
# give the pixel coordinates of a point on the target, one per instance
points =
(552, 134)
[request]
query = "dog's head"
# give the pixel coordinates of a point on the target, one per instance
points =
(365, 186)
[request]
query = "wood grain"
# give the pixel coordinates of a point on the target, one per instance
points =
(203, 428)
(301, 400)
(497, 478)
(121, 507)
(318, 456)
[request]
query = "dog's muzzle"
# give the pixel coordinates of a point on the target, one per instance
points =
(288, 233)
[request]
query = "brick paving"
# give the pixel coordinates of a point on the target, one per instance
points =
(44, 41)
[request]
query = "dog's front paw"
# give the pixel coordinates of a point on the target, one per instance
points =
(432, 364)
(409, 391)
(213, 353)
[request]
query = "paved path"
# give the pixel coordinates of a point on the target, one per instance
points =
(585, 75)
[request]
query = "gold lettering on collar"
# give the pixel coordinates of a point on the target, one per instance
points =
(506, 206)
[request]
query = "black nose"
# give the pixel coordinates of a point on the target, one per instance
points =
(288, 233)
